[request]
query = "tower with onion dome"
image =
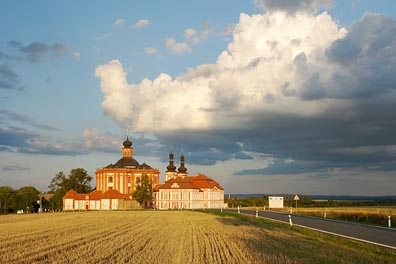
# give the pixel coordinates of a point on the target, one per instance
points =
(122, 175)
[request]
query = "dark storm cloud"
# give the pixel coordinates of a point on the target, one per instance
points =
(14, 168)
(35, 51)
(281, 166)
(14, 139)
(200, 147)
(9, 79)
(365, 60)
(14, 44)
(358, 135)
(60, 50)
(13, 116)
(292, 6)
(4, 56)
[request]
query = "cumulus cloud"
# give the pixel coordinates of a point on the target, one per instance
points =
(189, 33)
(119, 22)
(94, 140)
(177, 47)
(141, 23)
(150, 50)
(195, 36)
(292, 6)
(227, 30)
(77, 55)
(285, 86)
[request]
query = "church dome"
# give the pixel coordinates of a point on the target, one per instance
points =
(171, 167)
(127, 143)
(125, 162)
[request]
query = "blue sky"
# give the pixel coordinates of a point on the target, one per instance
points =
(264, 96)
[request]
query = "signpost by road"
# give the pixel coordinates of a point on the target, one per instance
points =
(296, 198)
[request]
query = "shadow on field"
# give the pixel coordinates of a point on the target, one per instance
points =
(271, 242)
(264, 242)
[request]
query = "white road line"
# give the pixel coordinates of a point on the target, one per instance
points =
(327, 232)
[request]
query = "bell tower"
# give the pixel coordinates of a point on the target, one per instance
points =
(171, 168)
(127, 150)
(182, 169)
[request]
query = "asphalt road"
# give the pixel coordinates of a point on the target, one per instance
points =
(381, 236)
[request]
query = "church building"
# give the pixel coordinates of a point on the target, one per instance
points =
(181, 191)
(116, 182)
(123, 175)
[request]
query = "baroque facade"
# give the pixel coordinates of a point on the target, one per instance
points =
(115, 184)
(181, 191)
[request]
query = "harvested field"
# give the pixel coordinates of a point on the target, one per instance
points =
(170, 237)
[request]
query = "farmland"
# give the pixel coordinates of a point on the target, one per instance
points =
(170, 237)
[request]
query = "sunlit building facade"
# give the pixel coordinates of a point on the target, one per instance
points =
(181, 191)
(115, 184)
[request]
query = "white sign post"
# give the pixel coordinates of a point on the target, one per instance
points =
(275, 202)
(296, 198)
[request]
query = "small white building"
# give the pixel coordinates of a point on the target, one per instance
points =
(95, 200)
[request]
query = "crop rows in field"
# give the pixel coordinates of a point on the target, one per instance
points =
(164, 237)
(118, 237)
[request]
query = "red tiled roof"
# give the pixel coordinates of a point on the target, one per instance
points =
(204, 182)
(189, 182)
(114, 194)
(70, 194)
(95, 195)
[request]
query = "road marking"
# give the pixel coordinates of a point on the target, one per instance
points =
(327, 232)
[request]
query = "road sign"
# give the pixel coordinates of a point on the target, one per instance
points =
(296, 198)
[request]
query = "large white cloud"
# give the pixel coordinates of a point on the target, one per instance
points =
(288, 86)
(292, 6)
(262, 70)
(276, 64)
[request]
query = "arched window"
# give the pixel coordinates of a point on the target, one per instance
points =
(110, 179)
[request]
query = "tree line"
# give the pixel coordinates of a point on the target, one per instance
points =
(27, 198)
(305, 201)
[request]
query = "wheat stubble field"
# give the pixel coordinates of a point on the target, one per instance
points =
(170, 237)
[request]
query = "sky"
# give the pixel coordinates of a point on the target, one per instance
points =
(264, 96)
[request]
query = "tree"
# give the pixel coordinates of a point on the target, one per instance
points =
(57, 182)
(26, 198)
(144, 191)
(78, 180)
(7, 197)
(56, 201)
